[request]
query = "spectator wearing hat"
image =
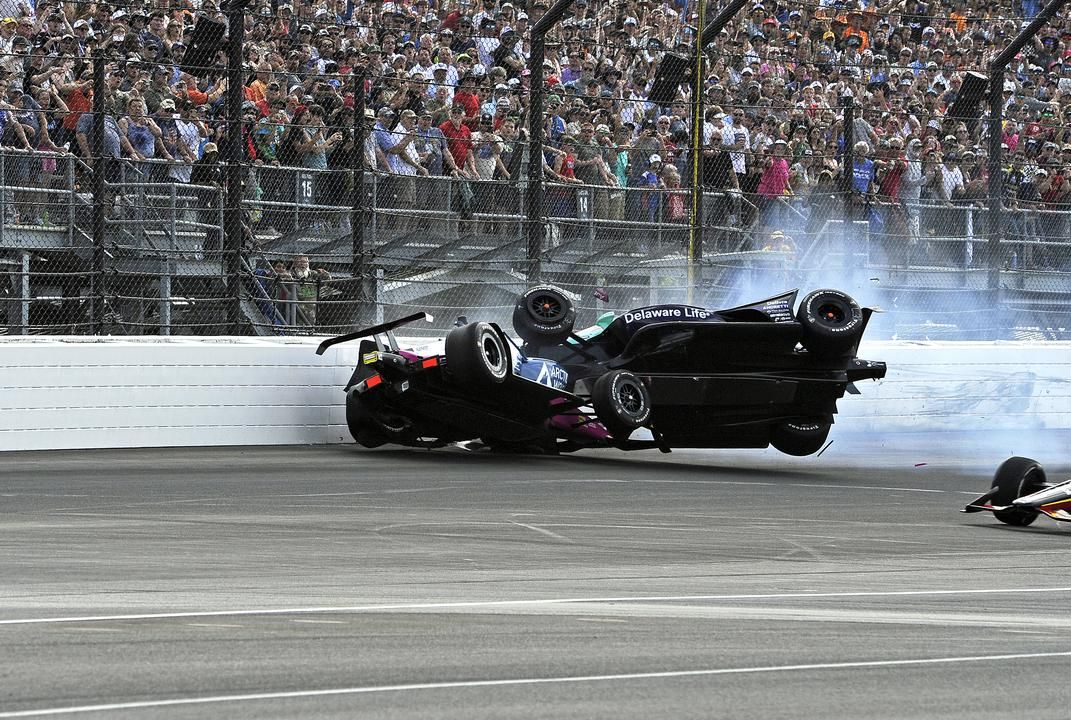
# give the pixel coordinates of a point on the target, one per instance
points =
(181, 139)
(487, 150)
(651, 181)
(403, 156)
(508, 55)
(431, 149)
(592, 169)
(208, 177)
(158, 89)
(459, 158)
(562, 200)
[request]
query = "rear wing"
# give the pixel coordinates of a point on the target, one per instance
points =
(382, 333)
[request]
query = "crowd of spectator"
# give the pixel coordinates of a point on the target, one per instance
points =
(447, 91)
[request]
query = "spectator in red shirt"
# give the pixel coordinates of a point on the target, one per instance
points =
(459, 143)
(467, 98)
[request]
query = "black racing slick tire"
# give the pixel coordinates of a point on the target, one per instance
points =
(832, 322)
(622, 403)
(477, 356)
(361, 426)
(1016, 477)
(543, 315)
(805, 436)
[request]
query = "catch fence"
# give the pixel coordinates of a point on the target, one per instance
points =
(456, 246)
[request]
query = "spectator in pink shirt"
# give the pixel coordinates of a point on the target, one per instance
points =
(773, 185)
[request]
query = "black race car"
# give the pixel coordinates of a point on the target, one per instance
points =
(1020, 492)
(749, 376)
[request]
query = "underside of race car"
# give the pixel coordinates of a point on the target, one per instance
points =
(749, 376)
(1020, 493)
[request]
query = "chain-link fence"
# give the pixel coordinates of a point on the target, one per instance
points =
(851, 150)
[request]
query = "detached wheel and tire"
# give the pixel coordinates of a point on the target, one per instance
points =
(832, 322)
(805, 436)
(543, 315)
(477, 356)
(1016, 477)
(622, 403)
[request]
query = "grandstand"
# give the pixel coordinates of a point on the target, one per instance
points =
(384, 163)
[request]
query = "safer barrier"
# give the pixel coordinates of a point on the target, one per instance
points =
(79, 392)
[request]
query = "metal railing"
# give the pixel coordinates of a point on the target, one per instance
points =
(459, 244)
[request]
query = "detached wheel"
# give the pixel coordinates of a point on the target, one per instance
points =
(622, 403)
(543, 315)
(800, 437)
(476, 355)
(832, 322)
(1016, 477)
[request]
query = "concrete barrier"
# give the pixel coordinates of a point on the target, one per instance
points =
(79, 392)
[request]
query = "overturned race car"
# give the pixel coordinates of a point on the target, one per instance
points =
(1020, 493)
(746, 377)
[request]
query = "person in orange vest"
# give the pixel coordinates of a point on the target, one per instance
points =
(855, 28)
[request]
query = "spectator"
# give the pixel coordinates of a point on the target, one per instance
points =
(777, 74)
(310, 288)
(141, 138)
(773, 186)
(207, 177)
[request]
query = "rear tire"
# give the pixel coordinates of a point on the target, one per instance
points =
(832, 322)
(805, 436)
(476, 356)
(1016, 477)
(543, 315)
(359, 421)
(622, 403)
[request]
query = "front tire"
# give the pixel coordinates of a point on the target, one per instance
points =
(1016, 477)
(543, 315)
(832, 322)
(805, 436)
(622, 403)
(476, 356)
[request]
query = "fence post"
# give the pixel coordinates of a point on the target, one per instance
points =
(232, 218)
(702, 40)
(695, 165)
(358, 267)
(100, 107)
(995, 226)
(535, 136)
(24, 294)
(847, 180)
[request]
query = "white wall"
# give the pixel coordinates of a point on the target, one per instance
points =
(964, 386)
(102, 392)
(98, 392)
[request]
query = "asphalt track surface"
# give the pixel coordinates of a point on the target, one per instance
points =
(330, 582)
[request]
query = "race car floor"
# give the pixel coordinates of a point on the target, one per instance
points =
(331, 582)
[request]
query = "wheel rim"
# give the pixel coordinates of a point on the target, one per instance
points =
(546, 308)
(492, 354)
(630, 398)
(831, 313)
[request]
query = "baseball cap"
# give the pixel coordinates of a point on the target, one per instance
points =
(655, 158)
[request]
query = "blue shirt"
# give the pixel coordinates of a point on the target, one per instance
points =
(862, 175)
